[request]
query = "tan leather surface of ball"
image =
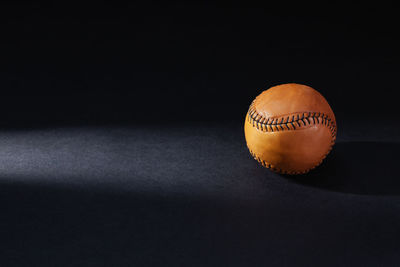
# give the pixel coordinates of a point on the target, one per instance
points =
(290, 128)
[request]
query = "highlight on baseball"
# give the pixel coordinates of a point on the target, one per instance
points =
(290, 128)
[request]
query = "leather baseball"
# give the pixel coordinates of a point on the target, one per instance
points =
(290, 128)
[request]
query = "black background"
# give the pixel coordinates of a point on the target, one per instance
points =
(149, 61)
(121, 138)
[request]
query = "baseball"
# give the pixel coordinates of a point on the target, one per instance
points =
(290, 128)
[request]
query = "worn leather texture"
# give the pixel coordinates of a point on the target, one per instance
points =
(290, 128)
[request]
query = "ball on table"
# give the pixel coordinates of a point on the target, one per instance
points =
(290, 128)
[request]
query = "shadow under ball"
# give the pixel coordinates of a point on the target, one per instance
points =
(290, 128)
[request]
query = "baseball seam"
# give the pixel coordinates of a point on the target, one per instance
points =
(287, 122)
(282, 171)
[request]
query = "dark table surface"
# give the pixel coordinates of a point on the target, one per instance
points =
(191, 195)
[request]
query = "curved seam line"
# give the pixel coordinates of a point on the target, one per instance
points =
(259, 119)
(326, 121)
